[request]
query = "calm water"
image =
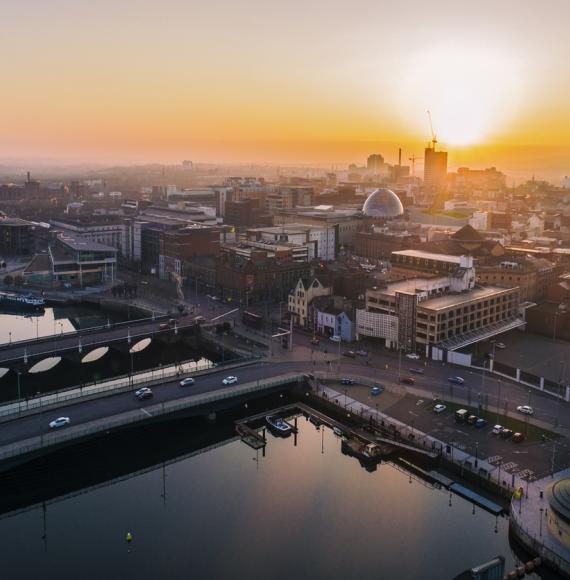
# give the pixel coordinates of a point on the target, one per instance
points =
(230, 513)
(53, 321)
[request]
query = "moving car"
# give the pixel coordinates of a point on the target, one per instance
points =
(143, 393)
(417, 371)
(500, 345)
(439, 408)
(525, 410)
(518, 437)
(408, 380)
(349, 354)
(59, 422)
(480, 423)
(413, 356)
(186, 382)
(230, 380)
(334, 338)
(497, 429)
(347, 381)
(456, 380)
(362, 352)
(375, 391)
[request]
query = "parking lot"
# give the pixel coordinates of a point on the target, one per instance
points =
(532, 457)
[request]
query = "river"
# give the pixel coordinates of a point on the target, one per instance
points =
(305, 511)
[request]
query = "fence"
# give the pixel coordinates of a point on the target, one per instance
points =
(536, 546)
(108, 423)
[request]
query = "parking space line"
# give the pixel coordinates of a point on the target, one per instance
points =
(145, 411)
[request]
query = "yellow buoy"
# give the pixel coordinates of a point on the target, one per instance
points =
(129, 537)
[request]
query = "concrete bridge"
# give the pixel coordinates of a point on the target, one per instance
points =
(14, 355)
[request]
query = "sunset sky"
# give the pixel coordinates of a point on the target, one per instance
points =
(285, 82)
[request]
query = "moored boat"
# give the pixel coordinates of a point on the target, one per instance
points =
(278, 425)
(20, 302)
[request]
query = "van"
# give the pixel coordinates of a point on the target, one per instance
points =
(461, 415)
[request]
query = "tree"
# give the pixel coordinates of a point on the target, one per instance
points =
(8, 280)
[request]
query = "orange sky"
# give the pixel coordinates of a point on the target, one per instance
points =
(312, 82)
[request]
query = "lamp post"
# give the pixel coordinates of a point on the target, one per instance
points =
(476, 454)
(19, 396)
(541, 510)
(39, 395)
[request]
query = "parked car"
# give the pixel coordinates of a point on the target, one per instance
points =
(439, 408)
(375, 391)
(417, 371)
(362, 352)
(187, 382)
(413, 356)
(472, 419)
(349, 354)
(518, 437)
(144, 393)
(480, 423)
(500, 345)
(408, 380)
(59, 422)
(347, 381)
(506, 433)
(497, 429)
(525, 410)
(230, 380)
(456, 380)
(334, 338)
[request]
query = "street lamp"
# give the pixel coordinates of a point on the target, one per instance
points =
(541, 510)
(476, 454)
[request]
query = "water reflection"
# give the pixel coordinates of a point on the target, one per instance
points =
(304, 511)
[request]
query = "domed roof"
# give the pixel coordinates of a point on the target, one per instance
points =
(383, 203)
(558, 494)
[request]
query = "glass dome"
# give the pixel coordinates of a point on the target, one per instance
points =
(383, 203)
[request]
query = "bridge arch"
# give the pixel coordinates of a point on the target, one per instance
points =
(95, 354)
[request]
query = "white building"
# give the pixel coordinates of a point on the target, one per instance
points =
(301, 297)
(321, 240)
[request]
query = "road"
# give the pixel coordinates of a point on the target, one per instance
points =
(432, 382)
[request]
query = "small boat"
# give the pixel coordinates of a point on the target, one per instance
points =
(19, 302)
(315, 421)
(278, 425)
(338, 431)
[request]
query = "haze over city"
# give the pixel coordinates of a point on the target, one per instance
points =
(284, 83)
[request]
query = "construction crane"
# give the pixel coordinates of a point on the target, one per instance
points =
(413, 159)
(433, 137)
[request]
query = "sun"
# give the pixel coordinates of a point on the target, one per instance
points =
(472, 94)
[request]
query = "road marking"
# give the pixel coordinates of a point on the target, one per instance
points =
(412, 413)
(145, 411)
(462, 432)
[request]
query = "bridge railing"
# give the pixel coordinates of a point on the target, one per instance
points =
(151, 412)
(82, 331)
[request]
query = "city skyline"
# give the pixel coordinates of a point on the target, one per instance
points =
(248, 82)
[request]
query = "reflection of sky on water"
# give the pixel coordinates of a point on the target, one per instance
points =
(50, 322)
(231, 513)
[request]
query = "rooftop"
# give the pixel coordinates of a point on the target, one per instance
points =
(478, 293)
(428, 256)
(78, 243)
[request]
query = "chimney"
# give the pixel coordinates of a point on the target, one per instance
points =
(400, 157)
(28, 176)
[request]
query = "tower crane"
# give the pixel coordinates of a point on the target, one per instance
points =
(433, 137)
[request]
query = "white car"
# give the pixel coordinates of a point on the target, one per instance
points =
(230, 381)
(187, 382)
(60, 422)
(413, 356)
(141, 391)
(498, 429)
(439, 408)
(334, 338)
(500, 345)
(525, 410)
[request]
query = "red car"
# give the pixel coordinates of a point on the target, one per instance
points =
(408, 380)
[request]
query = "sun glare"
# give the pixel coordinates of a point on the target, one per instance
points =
(471, 94)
